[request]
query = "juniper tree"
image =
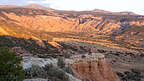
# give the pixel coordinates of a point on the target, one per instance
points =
(10, 66)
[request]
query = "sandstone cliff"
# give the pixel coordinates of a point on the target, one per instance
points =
(94, 68)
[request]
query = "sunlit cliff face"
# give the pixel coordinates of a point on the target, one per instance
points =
(94, 68)
(54, 21)
(34, 23)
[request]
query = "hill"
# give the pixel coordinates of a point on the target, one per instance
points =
(36, 6)
(39, 23)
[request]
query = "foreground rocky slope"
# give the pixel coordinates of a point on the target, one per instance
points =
(122, 61)
(85, 67)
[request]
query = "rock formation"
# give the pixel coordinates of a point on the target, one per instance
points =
(94, 68)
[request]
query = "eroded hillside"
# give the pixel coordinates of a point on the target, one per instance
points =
(42, 24)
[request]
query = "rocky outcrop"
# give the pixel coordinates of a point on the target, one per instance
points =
(94, 68)
(28, 61)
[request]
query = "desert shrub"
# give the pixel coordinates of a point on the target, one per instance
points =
(35, 72)
(10, 66)
(69, 70)
(67, 55)
(56, 73)
(61, 62)
(133, 75)
(136, 71)
(83, 56)
(101, 51)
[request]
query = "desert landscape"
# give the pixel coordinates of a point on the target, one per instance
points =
(54, 44)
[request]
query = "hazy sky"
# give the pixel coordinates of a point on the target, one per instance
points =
(136, 6)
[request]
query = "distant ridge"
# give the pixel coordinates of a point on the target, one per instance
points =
(114, 13)
(37, 6)
(100, 11)
(7, 6)
(127, 13)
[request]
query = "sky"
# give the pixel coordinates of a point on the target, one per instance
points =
(136, 6)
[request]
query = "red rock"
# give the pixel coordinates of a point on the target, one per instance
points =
(94, 70)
